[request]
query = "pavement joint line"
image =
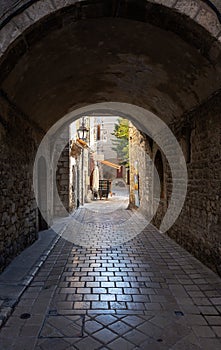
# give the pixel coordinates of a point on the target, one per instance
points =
(8, 305)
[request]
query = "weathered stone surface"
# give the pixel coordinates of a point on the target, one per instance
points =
(59, 4)
(39, 10)
(168, 3)
(18, 207)
(155, 65)
(62, 181)
(188, 7)
(198, 226)
(22, 21)
(8, 34)
(209, 20)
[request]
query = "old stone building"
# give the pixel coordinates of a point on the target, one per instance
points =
(57, 61)
(198, 226)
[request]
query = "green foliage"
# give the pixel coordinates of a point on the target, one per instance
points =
(121, 143)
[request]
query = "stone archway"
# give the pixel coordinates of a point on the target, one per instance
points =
(30, 31)
(26, 12)
(161, 55)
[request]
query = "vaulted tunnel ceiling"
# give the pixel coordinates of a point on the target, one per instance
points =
(110, 59)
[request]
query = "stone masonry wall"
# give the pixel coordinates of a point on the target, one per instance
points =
(143, 150)
(140, 146)
(18, 215)
(62, 181)
(198, 228)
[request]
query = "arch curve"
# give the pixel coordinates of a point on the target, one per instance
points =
(17, 17)
(162, 62)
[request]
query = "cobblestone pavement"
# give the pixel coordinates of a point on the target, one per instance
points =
(147, 293)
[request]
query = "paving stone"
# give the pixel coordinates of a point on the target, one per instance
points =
(150, 330)
(118, 305)
(203, 331)
(124, 297)
(88, 343)
(91, 297)
(208, 310)
(108, 297)
(162, 320)
(135, 337)
(196, 320)
(93, 284)
(92, 326)
(77, 284)
(81, 305)
(153, 306)
(75, 297)
(140, 298)
(105, 335)
(216, 301)
(83, 290)
(115, 291)
(206, 343)
(119, 327)
(131, 291)
(65, 305)
(133, 320)
(213, 320)
(217, 330)
(120, 344)
(106, 319)
(99, 290)
(58, 344)
(99, 305)
(136, 306)
(107, 284)
(129, 309)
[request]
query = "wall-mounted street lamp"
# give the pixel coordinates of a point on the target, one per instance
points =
(83, 131)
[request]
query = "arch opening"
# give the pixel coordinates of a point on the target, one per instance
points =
(177, 78)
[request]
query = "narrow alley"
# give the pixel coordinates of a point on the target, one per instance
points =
(147, 293)
(110, 174)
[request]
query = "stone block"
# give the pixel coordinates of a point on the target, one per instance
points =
(209, 21)
(60, 4)
(9, 33)
(23, 21)
(188, 7)
(168, 3)
(39, 10)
